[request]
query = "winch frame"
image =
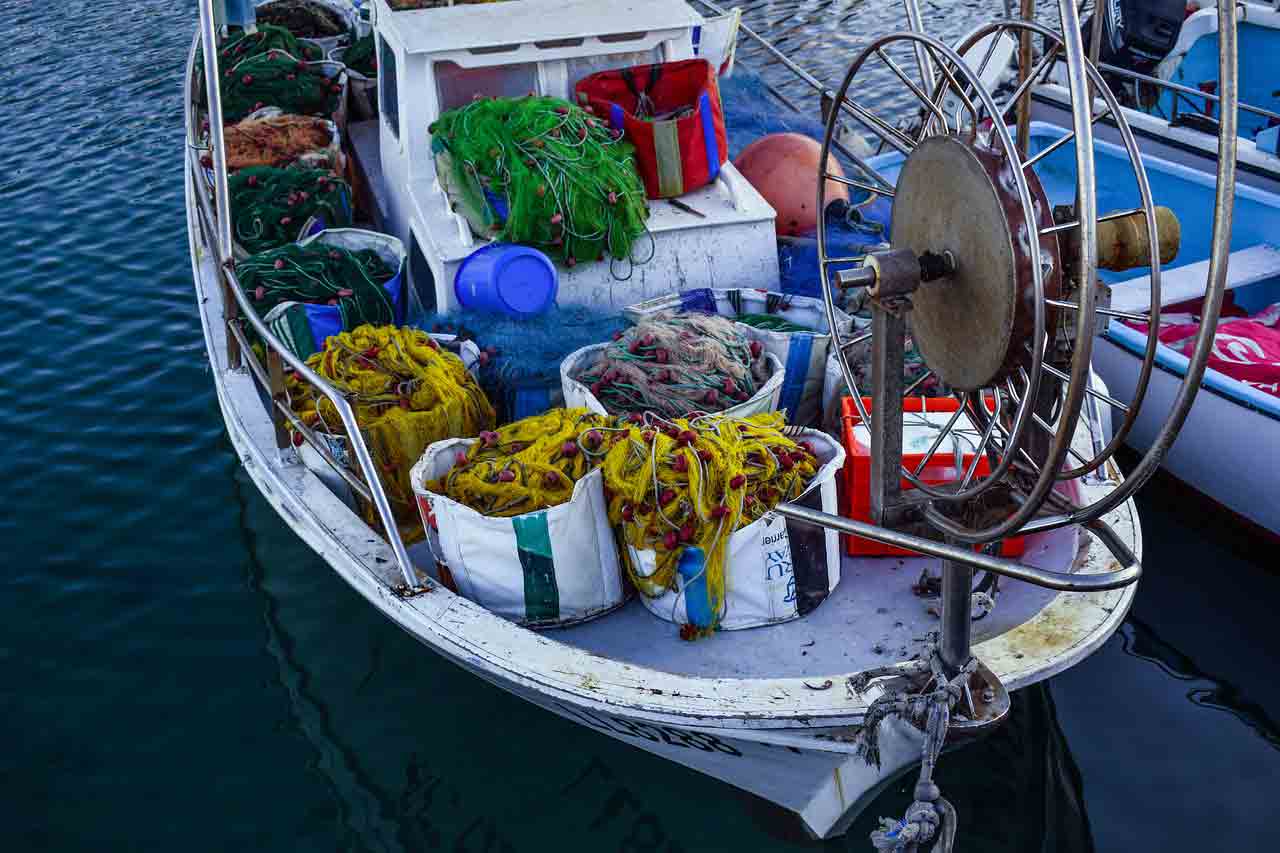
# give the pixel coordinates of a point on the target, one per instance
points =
(1024, 465)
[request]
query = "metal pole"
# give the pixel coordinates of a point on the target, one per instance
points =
(922, 54)
(213, 93)
(1027, 13)
(1130, 571)
(218, 151)
(1095, 32)
(888, 353)
(957, 628)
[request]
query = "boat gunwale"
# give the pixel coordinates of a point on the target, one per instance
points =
(517, 657)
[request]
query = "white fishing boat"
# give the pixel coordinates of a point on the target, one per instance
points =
(799, 711)
(1172, 112)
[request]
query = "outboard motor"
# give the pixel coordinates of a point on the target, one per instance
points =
(1137, 34)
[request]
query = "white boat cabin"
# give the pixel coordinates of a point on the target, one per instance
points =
(433, 60)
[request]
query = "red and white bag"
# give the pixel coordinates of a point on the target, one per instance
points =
(671, 113)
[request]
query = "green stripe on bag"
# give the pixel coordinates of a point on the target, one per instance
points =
(533, 545)
(666, 143)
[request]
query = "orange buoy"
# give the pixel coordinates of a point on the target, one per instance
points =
(783, 167)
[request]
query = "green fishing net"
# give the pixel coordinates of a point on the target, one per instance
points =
(303, 18)
(771, 323)
(321, 274)
(269, 205)
(361, 57)
(543, 172)
(278, 79)
(240, 45)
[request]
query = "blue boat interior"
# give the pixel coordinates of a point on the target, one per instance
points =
(1259, 77)
(1190, 194)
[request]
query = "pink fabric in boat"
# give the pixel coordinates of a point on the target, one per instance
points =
(1245, 348)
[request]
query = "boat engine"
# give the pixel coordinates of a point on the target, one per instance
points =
(1137, 34)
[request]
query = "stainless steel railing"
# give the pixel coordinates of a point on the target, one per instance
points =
(1184, 90)
(213, 216)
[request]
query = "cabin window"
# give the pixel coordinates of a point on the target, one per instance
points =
(421, 277)
(459, 86)
(493, 48)
(388, 97)
(583, 66)
(620, 37)
(555, 43)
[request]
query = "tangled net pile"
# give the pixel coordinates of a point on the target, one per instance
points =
(269, 205)
(240, 45)
(321, 274)
(360, 56)
(693, 482)
(675, 365)
(278, 79)
(281, 140)
(569, 183)
(302, 18)
(407, 392)
(530, 465)
(404, 5)
(670, 484)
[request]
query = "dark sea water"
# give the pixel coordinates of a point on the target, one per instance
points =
(179, 673)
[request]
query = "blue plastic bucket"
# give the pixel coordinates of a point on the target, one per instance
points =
(518, 281)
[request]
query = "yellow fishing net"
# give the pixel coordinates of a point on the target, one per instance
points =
(407, 393)
(528, 465)
(670, 484)
(677, 483)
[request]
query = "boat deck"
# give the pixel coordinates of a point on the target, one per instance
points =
(872, 618)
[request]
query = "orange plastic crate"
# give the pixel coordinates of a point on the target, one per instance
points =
(857, 475)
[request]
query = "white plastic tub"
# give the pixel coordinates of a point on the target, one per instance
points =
(802, 354)
(578, 395)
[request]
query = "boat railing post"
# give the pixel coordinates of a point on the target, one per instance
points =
(218, 154)
(280, 398)
(238, 314)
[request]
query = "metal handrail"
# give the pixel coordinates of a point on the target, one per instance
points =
(1185, 90)
(208, 215)
(1129, 573)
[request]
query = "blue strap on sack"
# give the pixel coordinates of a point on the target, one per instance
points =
(799, 350)
(709, 135)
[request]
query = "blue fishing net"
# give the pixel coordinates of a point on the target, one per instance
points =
(521, 368)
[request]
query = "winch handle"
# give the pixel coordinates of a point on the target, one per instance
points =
(1130, 571)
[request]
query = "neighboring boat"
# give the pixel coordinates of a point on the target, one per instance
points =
(784, 711)
(1171, 102)
(1232, 426)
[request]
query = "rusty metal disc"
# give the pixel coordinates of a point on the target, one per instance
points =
(952, 196)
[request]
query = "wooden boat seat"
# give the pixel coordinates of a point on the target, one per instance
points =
(1246, 266)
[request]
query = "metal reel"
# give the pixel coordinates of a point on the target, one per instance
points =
(1000, 297)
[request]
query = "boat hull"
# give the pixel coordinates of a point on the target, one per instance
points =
(1226, 449)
